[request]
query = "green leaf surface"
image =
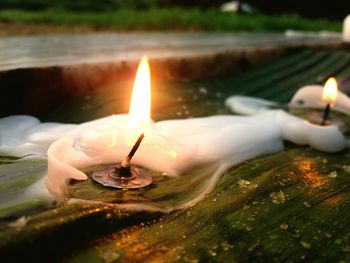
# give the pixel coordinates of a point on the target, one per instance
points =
(290, 206)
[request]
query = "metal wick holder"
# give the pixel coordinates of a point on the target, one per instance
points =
(124, 175)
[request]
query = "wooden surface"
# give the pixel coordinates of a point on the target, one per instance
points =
(294, 208)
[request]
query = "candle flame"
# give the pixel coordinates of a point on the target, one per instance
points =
(140, 105)
(330, 91)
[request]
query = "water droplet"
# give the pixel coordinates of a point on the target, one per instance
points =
(305, 244)
(328, 235)
(226, 245)
(346, 249)
(278, 197)
(346, 168)
(203, 90)
(284, 226)
(332, 174)
(337, 241)
(306, 204)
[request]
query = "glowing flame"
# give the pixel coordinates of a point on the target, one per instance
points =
(330, 91)
(140, 105)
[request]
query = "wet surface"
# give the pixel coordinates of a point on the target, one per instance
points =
(290, 206)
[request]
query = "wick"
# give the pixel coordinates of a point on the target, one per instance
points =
(124, 170)
(325, 114)
(126, 161)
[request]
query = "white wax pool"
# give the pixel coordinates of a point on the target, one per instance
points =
(172, 146)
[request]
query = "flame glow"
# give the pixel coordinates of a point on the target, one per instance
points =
(140, 105)
(330, 91)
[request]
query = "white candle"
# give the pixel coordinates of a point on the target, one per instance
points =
(346, 29)
(309, 96)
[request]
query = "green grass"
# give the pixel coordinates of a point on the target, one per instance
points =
(166, 19)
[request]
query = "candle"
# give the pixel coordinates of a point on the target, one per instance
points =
(124, 175)
(346, 29)
(171, 146)
(329, 96)
(309, 96)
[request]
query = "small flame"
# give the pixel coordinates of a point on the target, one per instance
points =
(330, 91)
(140, 105)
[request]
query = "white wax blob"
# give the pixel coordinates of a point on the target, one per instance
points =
(306, 97)
(172, 146)
(248, 105)
(311, 97)
(346, 29)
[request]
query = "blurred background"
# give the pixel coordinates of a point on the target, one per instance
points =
(306, 8)
(24, 16)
